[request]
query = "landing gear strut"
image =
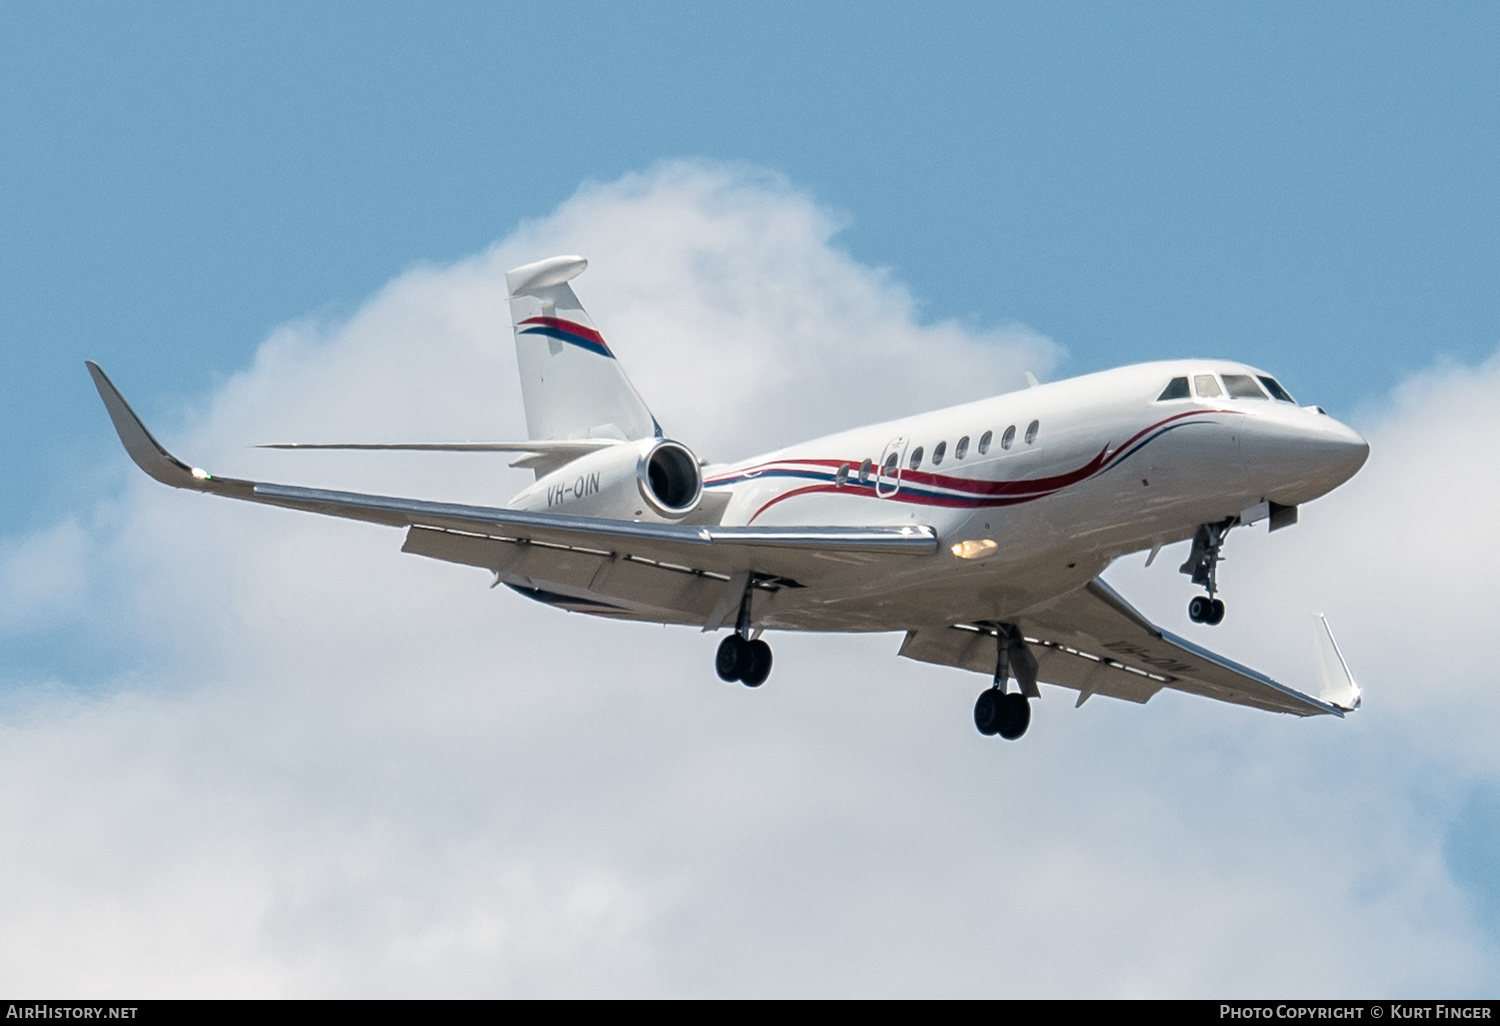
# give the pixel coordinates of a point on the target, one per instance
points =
(1203, 566)
(742, 657)
(999, 711)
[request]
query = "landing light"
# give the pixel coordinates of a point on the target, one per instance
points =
(974, 549)
(201, 474)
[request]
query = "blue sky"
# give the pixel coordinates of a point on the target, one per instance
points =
(294, 761)
(1306, 187)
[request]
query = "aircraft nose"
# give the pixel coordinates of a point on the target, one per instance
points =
(1301, 458)
(1345, 450)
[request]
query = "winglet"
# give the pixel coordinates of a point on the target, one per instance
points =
(1338, 687)
(147, 452)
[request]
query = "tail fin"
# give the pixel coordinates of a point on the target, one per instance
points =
(572, 385)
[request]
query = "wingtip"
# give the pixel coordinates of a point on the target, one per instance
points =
(1336, 680)
(139, 443)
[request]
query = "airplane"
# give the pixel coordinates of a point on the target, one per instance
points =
(978, 531)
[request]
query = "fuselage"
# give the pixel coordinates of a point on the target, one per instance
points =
(1034, 492)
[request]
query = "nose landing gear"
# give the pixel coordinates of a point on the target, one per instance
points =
(1203, 566)
(1205, 609)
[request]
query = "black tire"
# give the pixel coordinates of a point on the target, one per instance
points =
(1200, 609)
(729, 661)
(987, 712)
(1015, 716)
(1216, 616)
(757, 664)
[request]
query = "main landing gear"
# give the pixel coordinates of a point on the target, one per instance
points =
(1203, 566)
(742, 657)
(999, 711)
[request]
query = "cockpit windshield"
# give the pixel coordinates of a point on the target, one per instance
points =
(1274, 387)
(1242, 386)
(1177, 388)
(1237, 386)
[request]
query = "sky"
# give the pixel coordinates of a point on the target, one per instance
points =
(252, 752)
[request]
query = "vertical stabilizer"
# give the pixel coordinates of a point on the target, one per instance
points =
(1337, 685)
(571, 383)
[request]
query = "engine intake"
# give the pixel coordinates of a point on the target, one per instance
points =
(652, 479)
(669, 479)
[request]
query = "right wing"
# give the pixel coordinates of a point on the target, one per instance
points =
(1095, 642)
(572, 550)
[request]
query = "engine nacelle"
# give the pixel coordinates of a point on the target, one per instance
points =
(653, 479)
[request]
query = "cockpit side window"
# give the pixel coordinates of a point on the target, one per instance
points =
(1277, 392)
(1207, 386)
(1242, 386)
(1177, 388)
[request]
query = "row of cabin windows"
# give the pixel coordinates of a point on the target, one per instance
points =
(962, 448)
(1237, 386)
(939, 452)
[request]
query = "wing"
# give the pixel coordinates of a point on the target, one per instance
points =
(690, 565)
(1095, 642)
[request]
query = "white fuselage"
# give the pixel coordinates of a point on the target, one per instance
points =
(1108, 468)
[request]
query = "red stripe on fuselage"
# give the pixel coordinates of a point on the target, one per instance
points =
(999, 493)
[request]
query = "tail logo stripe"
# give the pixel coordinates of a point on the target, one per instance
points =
(565, 331)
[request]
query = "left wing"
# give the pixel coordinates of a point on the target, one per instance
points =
(1097, 643)
(795, 554)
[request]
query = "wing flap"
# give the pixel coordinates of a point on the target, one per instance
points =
(1097, 621)
(1095, 642)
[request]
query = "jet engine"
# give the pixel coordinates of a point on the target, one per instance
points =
(653, 479)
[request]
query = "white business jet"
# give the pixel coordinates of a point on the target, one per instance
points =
(979, 531)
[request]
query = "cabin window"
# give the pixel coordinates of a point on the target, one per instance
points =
(984, 442)
(1277, 392)
(840, 478)
(962, 448)
(916, 457)
(1242, 386)
(890, 465)
(864, 472)
(938, 451)
(1177, 388)
(1008, 439)
(1207, 386)
(1031, 430)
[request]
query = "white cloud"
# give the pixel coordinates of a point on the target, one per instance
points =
(42, 576)
(340, 770)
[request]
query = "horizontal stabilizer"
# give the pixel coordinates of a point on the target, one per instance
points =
(543, 457)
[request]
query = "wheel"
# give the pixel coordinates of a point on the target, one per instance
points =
(1200, 609)
(1216, 616)
(987, 711)
(730, 660)
(757, 664)
(1015, 716)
